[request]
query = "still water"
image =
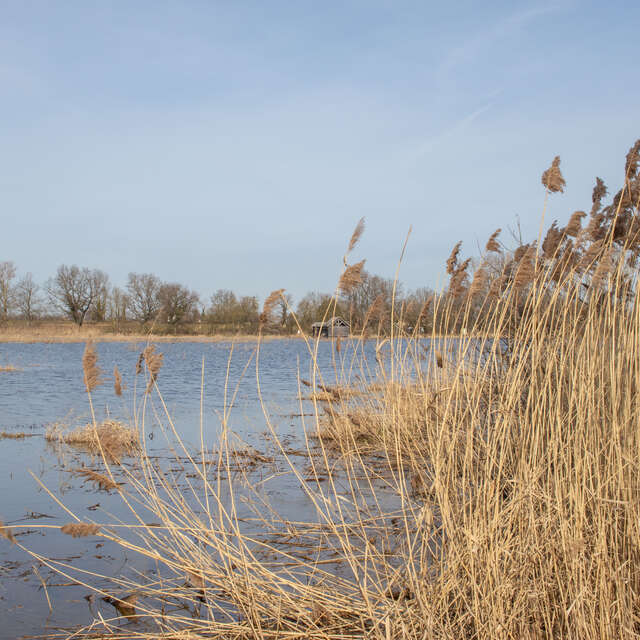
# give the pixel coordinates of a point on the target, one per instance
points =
(198, 382)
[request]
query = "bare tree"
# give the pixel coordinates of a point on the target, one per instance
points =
(74, 290)
(144, 300)
(27, 297)
(118, 305)
(178, 303)
(7, 274)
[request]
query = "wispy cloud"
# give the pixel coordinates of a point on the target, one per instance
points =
(472, 47)
(456, 128)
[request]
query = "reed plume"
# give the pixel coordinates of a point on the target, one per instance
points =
(552, 178)
(497, 286)
(459, 279)
(117, 381)
(351, 277)
(575, 224)
(552, 241)
(604, 268)
(90, 368)
(479, 282)
(452, 260)
(269, 305)
(153, 360)
(80, 529)
(632, 159)
(492, 242)
(599, 192)
(526, 269)
(520, 252)
(356, 235)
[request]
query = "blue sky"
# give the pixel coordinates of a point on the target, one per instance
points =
(236, 144)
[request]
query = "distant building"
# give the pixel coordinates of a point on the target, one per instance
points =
(334, 328)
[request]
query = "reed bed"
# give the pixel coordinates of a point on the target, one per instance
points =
(482, 486)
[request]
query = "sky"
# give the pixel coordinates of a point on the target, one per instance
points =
(235, 144)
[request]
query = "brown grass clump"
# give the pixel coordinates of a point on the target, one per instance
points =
(80, 529)
(110, 436)
(92, 373)
(13, 435)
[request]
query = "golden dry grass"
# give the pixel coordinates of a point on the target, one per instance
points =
(114, 438)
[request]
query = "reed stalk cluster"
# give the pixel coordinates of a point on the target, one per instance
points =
(485, 485)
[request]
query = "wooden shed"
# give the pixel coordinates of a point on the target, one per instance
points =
(334, 328)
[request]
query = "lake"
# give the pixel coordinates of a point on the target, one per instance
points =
(47, 387)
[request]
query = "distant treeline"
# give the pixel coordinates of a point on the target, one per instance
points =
(84, 295)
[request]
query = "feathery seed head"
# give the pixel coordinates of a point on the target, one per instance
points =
(90, 368)
(552, 178)
(355, 236)
(599, 192)
(492, 242)
(452, 260)
(153, 359)
(351, 277)
(575, 223)
(632, 160)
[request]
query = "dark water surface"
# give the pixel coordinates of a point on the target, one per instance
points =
(48, 388)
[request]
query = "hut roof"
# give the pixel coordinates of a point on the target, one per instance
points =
(336, 321)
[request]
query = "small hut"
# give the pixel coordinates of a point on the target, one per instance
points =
(334, 328)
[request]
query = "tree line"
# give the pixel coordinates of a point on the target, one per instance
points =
(84, 295)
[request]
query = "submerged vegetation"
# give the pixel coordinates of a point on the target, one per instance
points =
(482, 486)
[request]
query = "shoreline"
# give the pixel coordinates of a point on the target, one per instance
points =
(98, 337)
